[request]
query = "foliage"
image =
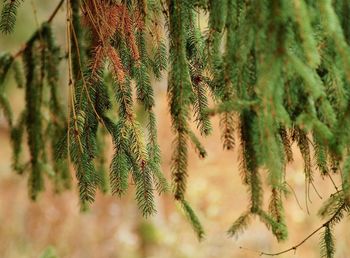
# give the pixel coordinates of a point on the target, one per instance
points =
(8, 15)
(277, 72)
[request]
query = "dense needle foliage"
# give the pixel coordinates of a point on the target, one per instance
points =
(277, 72)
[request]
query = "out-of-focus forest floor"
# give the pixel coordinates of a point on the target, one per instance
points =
(114, 228)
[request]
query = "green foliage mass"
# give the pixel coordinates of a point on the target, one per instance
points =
(276, 72)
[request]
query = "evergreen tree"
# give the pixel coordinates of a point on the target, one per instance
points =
(277, 72)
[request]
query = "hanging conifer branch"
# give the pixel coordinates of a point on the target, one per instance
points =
(8, 15)
(275, 72)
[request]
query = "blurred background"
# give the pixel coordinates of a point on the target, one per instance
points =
(114, 228)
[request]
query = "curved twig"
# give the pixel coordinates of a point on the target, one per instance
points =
(295, 195)
(295, 247)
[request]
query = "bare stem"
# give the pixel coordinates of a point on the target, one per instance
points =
(294, 248)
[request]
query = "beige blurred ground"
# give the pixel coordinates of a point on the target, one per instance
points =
(114, 228)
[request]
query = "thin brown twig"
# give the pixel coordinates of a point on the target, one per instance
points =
(82, 75)
(295, 195)
(316, 191)
(294, 248)
(71, 79)
(330, 177)
(52, 16)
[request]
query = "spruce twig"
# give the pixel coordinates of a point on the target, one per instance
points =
(295, 247)
(49, 20)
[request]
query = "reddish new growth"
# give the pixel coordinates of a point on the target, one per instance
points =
(105, 20)
(116, 64)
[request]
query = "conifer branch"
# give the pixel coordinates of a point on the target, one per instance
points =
(49, 20)
(326, 224)
(8, 15)
(278, 68)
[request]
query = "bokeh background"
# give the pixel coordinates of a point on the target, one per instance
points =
(114, 228)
